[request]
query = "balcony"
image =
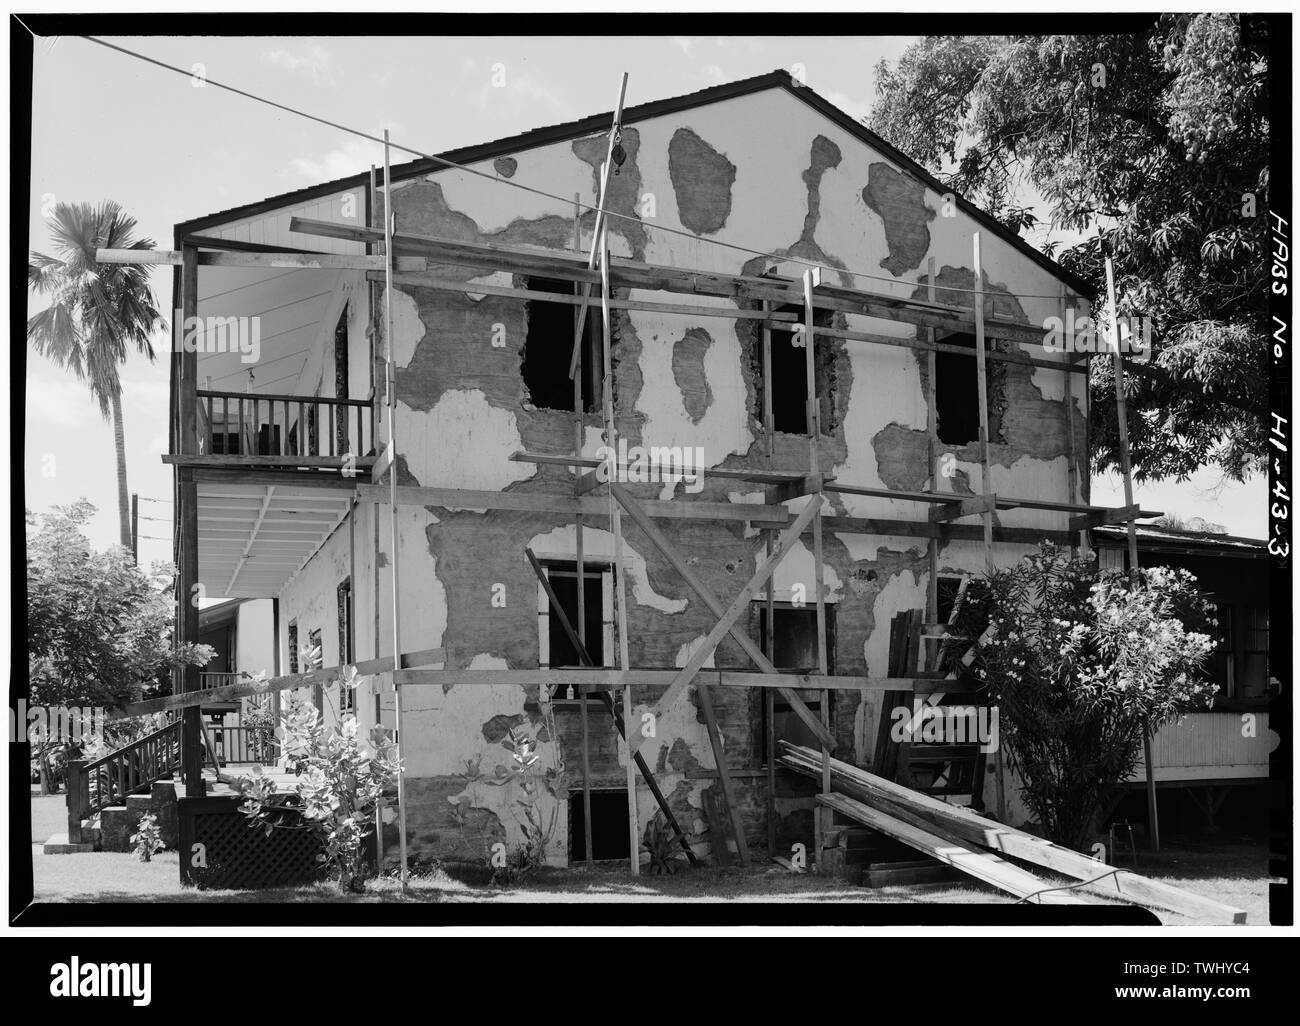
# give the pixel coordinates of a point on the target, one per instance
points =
(307, 433)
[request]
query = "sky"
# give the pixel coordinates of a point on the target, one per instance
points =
(108, 126)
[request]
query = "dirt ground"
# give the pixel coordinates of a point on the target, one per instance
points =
(1233, 870)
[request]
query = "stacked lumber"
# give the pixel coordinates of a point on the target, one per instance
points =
(935, 824)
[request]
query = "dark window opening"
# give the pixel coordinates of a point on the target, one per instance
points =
(790, 373)
(314, 659)
(795, 648)
(956, 392)
(1254, 674)
(347, 696)
(947, 595)
(548, 348)
(564, 581)
(341, 380)
(1223, 669)
(609, 837)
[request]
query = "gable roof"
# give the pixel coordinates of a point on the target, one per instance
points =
(596, 123)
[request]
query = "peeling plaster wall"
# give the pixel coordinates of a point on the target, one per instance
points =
(821, 195)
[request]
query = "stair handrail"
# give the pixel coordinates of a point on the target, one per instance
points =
(165, 761)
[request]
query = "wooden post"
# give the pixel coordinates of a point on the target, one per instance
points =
(986, 485)
(598, 227)
(1121, 412)
(932, 416)
(1072, 451)
(135, 528)
(814, 421)
(769, 698)
(391, 388)
(581, 370)
(769, 431)
(76, 798)
(187, 522)
(582, 695)
(611, 435)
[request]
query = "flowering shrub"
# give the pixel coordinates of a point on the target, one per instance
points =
(1080, 663)
(341, 781)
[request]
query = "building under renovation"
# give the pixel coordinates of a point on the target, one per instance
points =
(776, 334)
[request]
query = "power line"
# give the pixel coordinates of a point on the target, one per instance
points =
(528, 188)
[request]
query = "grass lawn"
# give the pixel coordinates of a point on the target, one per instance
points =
(49, 816)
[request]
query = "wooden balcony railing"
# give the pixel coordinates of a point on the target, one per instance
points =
(235, 745)
(207, 680)
(253, 424)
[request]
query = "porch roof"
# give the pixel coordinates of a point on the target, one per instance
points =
(255, 537)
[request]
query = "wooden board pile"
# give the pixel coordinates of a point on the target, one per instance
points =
(975, 845)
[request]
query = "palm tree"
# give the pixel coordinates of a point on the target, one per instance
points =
(98, 312)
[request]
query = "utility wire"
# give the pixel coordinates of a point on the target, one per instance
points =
(528, 188)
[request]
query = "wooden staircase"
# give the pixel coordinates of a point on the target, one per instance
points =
(109, 782)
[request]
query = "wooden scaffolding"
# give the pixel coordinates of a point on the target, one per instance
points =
(395, 259)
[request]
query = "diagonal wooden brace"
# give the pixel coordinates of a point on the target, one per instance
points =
(610, 707)
(746, 643)
(784, 544)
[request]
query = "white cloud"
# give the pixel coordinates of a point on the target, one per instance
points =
(857, 108)
(353, 156)
(685, 43)
(60, 402)
(315, 62)
(714, 75)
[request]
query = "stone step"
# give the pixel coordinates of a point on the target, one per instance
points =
(141, 802)
(59, 844)
(117, 824)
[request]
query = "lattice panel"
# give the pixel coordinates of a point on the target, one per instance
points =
(241, 856)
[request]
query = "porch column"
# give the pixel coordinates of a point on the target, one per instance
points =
(187, 514)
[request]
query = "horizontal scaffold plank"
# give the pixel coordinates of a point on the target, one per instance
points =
(688, 509)
(546, 502)
(286, 682)
(766, 476)
(609, 679)
(635, 274)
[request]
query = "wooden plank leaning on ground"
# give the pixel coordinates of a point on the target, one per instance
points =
(976, 862)
(922, 810)
(323, 677)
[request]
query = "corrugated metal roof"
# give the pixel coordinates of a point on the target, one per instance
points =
(1173, 536)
